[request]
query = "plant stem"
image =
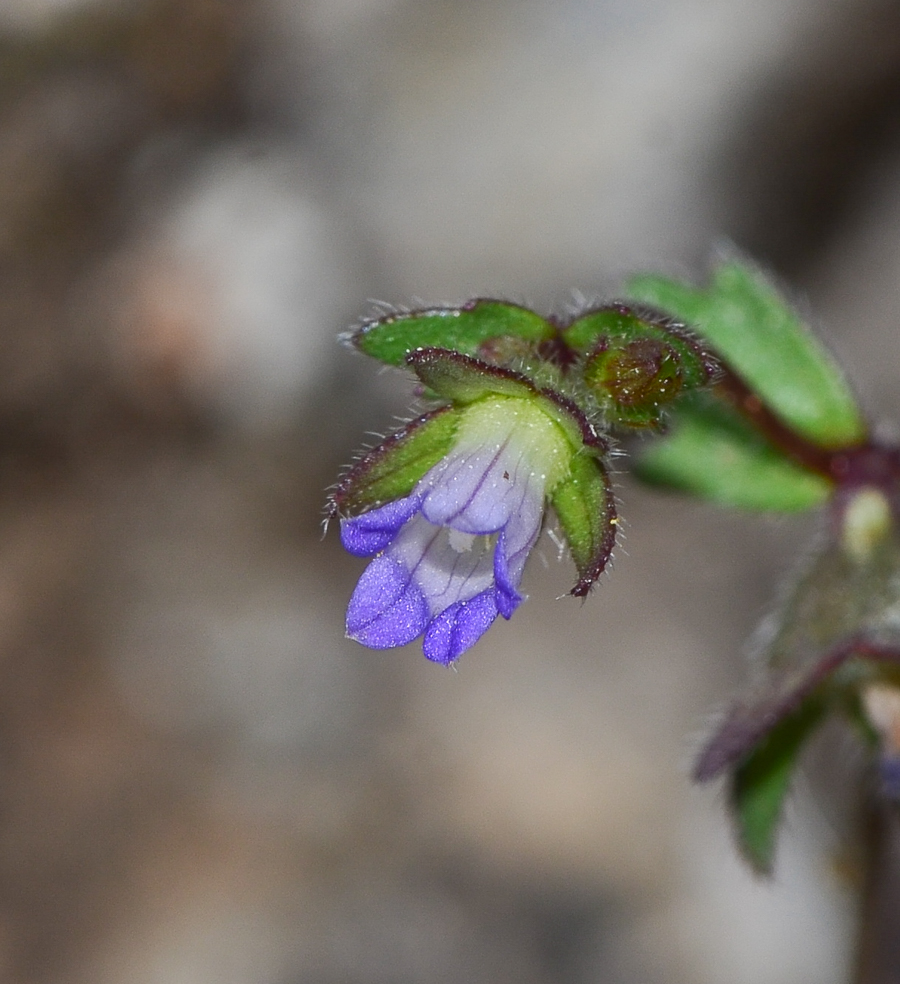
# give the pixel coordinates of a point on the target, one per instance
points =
(878, 953)
(735, 391)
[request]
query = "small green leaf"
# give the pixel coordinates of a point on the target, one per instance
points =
(764, 341)
(464, 329)
(392, 469)
(760, 783)
(713, 453)
(586, 510)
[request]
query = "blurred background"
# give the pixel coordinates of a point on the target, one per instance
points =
(200, 779)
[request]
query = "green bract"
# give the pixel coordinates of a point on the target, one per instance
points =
(459, 378)
(465, 329)
(462, 379)
(713, 453)
(765, 343)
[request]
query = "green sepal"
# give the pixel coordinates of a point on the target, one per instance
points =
(762, 339)
(761, 782)
(392, 469)
(465, 329)
(711, 452)
(462, 379)
(585, 507)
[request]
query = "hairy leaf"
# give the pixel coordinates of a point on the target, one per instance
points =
(713, 453)
(758, 334)
(761, 782)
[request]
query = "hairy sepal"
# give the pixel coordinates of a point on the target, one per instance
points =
(480, 325)
(391, 470)
(463, 380)
(585, 507)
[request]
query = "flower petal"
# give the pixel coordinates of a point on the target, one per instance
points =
(472, 492)
(387, 608)
(445, 570)
(515, 543)
(459, 627)
(365, 535)
(501, 443)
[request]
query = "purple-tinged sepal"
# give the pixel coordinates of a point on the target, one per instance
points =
(463, 379)
(391, 470)
(479, 327)
(585, 507)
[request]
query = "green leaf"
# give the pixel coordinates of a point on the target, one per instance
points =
(392, 469)
(464, 329)
(764, 341)
(586, 510)
(711, 452)
(760, 783)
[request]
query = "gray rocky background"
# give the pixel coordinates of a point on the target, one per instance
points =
(201, 781)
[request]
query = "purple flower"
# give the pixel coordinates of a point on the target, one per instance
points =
(449, 557)
(449, 507)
